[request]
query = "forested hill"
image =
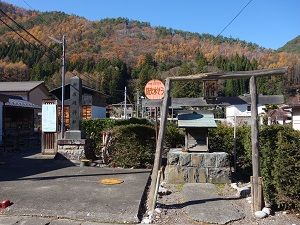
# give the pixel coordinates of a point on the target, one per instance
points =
(293, 46)
(111, 53)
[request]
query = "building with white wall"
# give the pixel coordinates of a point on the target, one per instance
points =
(238, 109)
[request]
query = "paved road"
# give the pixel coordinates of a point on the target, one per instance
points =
(49, 188)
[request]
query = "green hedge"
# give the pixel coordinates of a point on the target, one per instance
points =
(220, 139)
(132, 146)
(280, 159)
(280, 165)
(92, 130)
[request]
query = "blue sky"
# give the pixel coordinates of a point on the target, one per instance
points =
(268, 23)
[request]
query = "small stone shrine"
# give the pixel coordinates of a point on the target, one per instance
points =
(196, 130)
(72, 147)
(194, 163)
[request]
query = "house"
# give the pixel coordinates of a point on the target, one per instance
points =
(118, 111)
(238, 109)
(93, 103)
(294, 106)
(16, 121)
(279, 116)
(32, 91)
(296, 116)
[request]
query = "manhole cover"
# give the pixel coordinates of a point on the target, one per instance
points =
(111, 181)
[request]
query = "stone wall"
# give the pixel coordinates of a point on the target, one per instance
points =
(197, 167)
(73, 150)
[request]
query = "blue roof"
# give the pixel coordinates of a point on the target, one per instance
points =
(197, 119)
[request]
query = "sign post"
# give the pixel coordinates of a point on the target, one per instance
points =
(155, 89)
(49, 126)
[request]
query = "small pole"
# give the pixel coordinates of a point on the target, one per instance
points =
(234, 144)
(159, 143)
(137, 103)
(63, 86)
(156, 125)
(125, 106)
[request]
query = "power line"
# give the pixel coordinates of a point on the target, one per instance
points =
(231, 21)
(234, 18)
(18, 33)
(34, 10)
(27, 32)
(36, 47)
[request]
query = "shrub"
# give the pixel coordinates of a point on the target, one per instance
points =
(92, 130)
(174, 136)
(132, 146)
(221, 139)
(279, 161)
(268, 145)
(287, 169)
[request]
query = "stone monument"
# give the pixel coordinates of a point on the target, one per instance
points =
(75, 108)
(73, 146)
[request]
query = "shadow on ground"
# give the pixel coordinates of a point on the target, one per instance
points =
(19, 164)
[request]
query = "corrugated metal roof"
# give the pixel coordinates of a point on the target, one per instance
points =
(19, 86)
(200, 119)
(21, 103)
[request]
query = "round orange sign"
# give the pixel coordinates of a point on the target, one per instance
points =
(154, 89)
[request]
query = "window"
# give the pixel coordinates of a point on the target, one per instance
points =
(86, 112)
(248, 107)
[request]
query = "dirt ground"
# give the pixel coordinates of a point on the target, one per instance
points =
(173, 215)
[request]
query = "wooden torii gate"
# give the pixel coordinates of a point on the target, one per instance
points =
(256, 190)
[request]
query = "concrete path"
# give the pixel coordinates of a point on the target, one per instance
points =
(203, 204)
(57, 189)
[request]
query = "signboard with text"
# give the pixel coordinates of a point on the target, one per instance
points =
(154, 89)
(49, 118)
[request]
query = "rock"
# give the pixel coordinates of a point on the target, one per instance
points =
(260, 214)
(284, 212)
(158, 210)
(266, 210)
(146, 221)
(150, 217)
(163, 184)
(243, 192)
(249, 199)
(234, 186)
(163, 191)
(150, 213)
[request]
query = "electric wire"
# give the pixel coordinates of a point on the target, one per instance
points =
(27, 32)
(228, 24)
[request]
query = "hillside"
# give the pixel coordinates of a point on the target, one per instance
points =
(111, 53)
(293, 46)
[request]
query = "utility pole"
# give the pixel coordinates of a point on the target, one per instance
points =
(137, 103)
(125, 106)
(63, 70)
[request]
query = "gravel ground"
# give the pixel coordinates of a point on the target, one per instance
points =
(173, 215)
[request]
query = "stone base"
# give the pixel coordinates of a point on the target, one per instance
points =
(73, 135)
(200, 167)
(73, 150)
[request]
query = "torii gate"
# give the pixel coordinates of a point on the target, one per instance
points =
(255, 188)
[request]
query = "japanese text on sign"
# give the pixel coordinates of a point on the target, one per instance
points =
(154, 89)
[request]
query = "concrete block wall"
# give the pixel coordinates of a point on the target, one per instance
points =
(197, 167)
